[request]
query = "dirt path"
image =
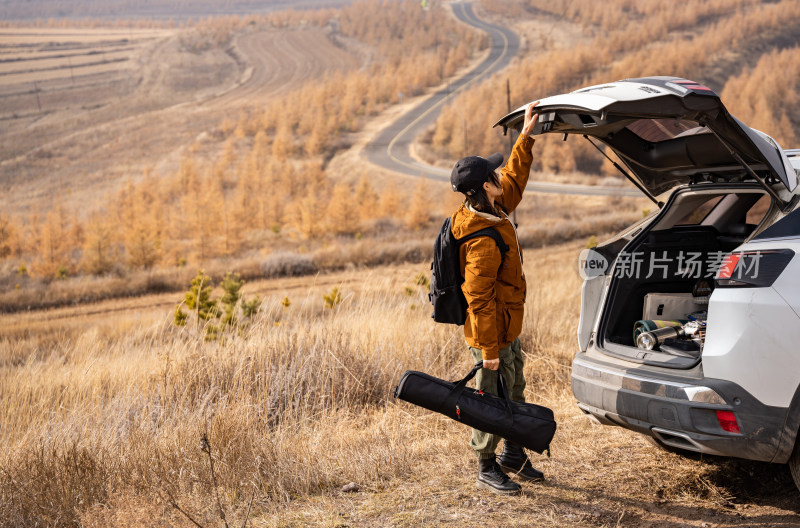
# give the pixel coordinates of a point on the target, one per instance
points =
(72, 320)
(390, 149)
(277, 61)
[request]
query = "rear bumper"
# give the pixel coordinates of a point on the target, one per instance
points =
(679, 412)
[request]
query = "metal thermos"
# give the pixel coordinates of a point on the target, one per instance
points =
(650, 340)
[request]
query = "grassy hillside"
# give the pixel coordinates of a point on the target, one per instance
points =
(257, 181)
(116, 424)
(111, 415)
(253, 183)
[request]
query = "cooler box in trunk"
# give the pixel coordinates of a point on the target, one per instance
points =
(664, 306)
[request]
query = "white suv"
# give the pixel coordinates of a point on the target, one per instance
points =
(689, 330)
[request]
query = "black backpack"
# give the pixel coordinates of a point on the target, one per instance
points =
(449, 303)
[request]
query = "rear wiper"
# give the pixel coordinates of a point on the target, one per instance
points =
(624, 173)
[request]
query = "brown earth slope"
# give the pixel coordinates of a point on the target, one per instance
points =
(113, 124)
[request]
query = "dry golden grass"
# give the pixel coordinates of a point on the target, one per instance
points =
(103, 408)
(104, 428)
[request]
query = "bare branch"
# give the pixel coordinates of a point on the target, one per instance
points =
(205, 446)
(171, 500)
(249, 506)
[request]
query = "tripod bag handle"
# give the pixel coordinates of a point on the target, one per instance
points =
(450, 403)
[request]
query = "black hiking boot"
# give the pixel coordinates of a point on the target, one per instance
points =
(514, 460)
(492, 478)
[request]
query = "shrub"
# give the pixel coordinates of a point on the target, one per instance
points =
(333, 298)
(284, 263)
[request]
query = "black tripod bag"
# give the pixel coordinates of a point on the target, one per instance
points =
(532, 426)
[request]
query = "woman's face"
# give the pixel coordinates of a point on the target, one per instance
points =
(493, 188)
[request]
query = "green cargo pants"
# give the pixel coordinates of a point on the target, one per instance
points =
(511, 364)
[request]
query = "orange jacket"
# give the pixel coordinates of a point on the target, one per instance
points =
(496, 297)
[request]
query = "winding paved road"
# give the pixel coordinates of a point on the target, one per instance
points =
(390, 149)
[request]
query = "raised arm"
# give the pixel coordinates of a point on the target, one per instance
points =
(514, 176)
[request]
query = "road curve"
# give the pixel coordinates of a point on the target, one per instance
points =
(390, 149)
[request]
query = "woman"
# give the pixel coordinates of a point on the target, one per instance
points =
(496, 296)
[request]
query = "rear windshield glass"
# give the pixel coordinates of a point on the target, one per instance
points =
(656, 130)
(756, 213)
(699, 214)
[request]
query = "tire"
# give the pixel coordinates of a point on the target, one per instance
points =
(794, 464)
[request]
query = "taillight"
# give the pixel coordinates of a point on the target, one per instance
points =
(729, 265)
(753, 268)
(727, 420)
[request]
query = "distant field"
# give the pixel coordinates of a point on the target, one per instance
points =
(96, 102)
(11, 10)
(53, 38)
(64, 56)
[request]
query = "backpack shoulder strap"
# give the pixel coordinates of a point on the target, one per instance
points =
(493, 234)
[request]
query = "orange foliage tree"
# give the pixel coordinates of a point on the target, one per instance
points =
(767, 96)
(99, 253)
(9, 237)
(54, 241)
(629, 38)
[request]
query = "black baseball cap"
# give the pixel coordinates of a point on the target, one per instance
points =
(471, 172)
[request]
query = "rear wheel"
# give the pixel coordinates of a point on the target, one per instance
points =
(794, 464)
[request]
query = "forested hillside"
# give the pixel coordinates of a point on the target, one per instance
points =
(268, 183)
(746, 50)
(258, 187)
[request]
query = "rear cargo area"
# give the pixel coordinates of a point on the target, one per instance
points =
(663, 279)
